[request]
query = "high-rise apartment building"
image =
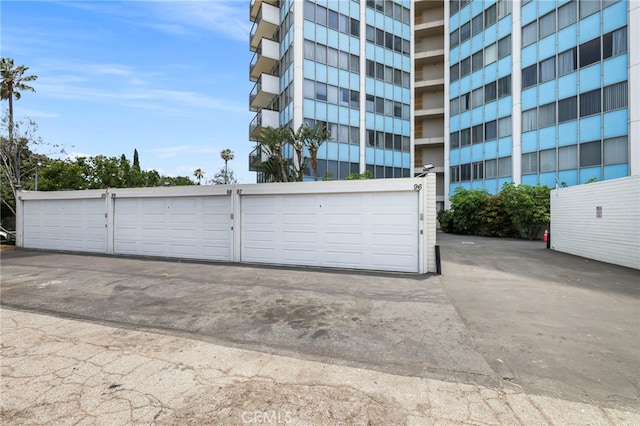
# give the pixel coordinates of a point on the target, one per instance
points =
(429, 98)
(344, 63)
(540, 92)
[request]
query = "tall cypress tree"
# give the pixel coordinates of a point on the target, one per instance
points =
(136, 161)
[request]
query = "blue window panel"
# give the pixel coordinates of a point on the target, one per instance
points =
(379, 88)
(332, 75)
(545, 6)
(491, 72)
(379, 124)
(491, 111)
(332, 150)
(332, 113)
(547, 92)
(454, 123)
(454, 56)
(548, 179)
(343, 7)
(568, 133)
(465, 84)
(369, 119)
(406, 160)
(465, 49)
(477, 184)
(380, 51)
(504, 104)
(332, 38)
(321, 34)
(343, 113)
(465, 185)
(614, 16)
(568, 37)
(568, 177)
(354, 154)
(505, 146)
(344, 78)
(370, 52)
(370, 15)
(568, 85)
(465, 154)
(547, 47)
(476, 79)
(454, 157)
(504, 180)
(590, 173)
(476, 8)
(388, 24)
(529, 55)
(529, 12)
(616, 171)
(590, 128)
(504, 66)
(309, 30)
(388, 124)
(490, 34)
(589, 28)
(488, 3)
(354, 117)
(406, 63)
(309, 108)
(477, 152)
(530, 141)
(406, 96)
(321, 72)
(547, 137)
(406, 31)
(321, 111)
(616, 123)
(530, 180)
(590, 78)
(491, 149)
(465, 119)
(491, 185)
(529, 98)
(476, 42)
(406, 128)
(322, 2)
(465, 14)
(369, 155)
(454, 21)
(388, 158)
(476, 116)
(615, 69)
(504, 26)
(343, 39)
(309, 69)
(452, 188)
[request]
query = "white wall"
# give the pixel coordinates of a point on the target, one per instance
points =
(577, 228)
(369, 224)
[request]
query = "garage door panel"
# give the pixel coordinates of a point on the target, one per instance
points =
(74, 225)
(367, 231)
(191, 227)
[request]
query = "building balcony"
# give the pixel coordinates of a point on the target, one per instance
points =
(256, 158)
(265, 58)
(264, 92)
(265, 25)
(254, 7)
(433, 140)
(430, 84)
(263, 119)
(430, 112)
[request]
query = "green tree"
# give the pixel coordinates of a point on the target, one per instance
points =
(272, 144)
(224, 176)
(13, 83)
(317, 136)
(360, 176)
(528, 207)
(198, 174)
(467, 206)
(227, 155)
(136, 160)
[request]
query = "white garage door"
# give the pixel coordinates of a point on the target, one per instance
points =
(76, 225)
(184, 227)
(376, 231)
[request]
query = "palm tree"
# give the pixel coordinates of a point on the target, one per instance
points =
(227, 155)
(316, 137)
(13, 82)
(198, 174)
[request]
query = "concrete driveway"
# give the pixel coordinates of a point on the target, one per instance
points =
(502, 310)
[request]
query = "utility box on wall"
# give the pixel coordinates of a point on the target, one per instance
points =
(599, 220)
(387, 225)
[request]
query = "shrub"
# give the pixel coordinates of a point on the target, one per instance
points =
(467, 206)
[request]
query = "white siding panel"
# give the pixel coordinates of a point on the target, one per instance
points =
(376, 231)
(185, 227)
(612, 238)
(76, 225)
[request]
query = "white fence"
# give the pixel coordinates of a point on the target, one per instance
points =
(386, 225)
(599, 221)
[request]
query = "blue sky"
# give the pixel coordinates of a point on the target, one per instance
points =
(169, 78)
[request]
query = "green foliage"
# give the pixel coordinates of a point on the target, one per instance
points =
(360, 176)
(468, 205)
(517, 211)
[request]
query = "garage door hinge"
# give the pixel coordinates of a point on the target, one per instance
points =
(113, 195)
